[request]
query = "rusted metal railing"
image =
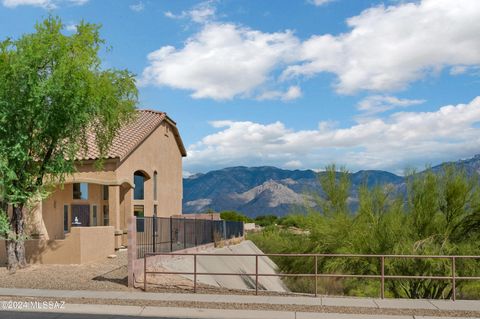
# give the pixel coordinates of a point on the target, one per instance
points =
(382, 276)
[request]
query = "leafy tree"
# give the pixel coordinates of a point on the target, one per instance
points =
(336, 186)
(437, 215)
(231, 215)
(53, 92)
(265, 220)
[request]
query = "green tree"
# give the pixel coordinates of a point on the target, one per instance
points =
(266, 220)
(437, 214)
(53, 92)
(231, 215)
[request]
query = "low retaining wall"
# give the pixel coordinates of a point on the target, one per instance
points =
(81, 245)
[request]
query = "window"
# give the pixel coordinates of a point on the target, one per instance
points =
(65, 218)
(105, 192)
(105, 215)
(94, 215)
(80, 191)
(139, 181)
(155, 186)
(138, 212)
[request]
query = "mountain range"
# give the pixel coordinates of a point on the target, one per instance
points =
(266, 190)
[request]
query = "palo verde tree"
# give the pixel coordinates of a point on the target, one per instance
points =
(53, 92)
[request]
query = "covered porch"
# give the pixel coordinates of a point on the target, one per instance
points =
(85, 203)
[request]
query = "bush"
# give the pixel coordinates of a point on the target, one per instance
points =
(438, 215)
(266, 220)
(234, 216)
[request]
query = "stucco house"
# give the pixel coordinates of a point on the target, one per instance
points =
(88, 215)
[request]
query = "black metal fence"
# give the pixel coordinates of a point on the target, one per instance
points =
(168, 234)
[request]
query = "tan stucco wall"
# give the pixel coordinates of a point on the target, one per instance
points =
(159, 152)
(81, 245)
(52, 209)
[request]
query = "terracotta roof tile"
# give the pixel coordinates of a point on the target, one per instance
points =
(128, 137)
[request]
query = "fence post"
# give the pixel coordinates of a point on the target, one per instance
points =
(454, 286)
(256, 274)
(154, 230)
(145, 272)
(382, 293)
(171, 234)
(184, 234)
(195, 229)
(132, 250)
(212, 226)
(195, 273)
(316, 275)
(225, 230)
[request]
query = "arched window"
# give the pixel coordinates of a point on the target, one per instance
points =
(155, 185)
(139, 181)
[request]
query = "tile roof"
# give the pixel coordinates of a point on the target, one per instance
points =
(129, 136)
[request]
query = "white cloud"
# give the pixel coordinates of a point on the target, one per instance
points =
(201, 13)
(137, 7)
(293, 92)
(390, 47)
(46, 4)
(319, 3)
(386, 49)
(293, 164)
(72, 27)
(221, 62)
(400, 140)
(381, 103)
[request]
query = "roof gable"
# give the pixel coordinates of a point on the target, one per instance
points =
(130, 136)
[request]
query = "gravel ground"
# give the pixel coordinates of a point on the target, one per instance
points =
(108, 274)
(111, 274)
(241, 306)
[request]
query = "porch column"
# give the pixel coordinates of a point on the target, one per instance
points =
(114, 212)
(126, 211)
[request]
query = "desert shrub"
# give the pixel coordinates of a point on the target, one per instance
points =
(438, 214)
(231, 215)
(266, 220)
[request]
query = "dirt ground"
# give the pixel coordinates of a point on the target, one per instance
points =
(108, 274)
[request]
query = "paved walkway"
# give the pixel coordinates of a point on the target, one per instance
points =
(462, 305)
(76, 311)
(111, 311)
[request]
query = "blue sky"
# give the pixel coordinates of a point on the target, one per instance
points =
(296, 84)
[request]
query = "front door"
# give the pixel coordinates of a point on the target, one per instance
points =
(82, 213)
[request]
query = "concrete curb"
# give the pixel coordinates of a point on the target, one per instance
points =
(192, 313)
(459, 305)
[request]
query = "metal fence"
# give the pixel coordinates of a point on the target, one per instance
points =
(168, 234)
(453, 276)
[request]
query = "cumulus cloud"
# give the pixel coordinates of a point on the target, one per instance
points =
(292, 93)
(221, 62)
(400, 140)
(390, 47)
(46, 4)
(137, 7)
(385, 49)
(293, 164)
(71, 27)
(201, 13)
(380, 103)
(319, 3)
